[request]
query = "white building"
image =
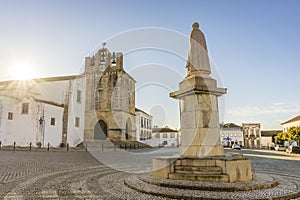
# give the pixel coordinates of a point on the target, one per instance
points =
(143, 125)
(42, 111)
(95, 105)
(267, 138)
(165, 136)
(230, 134)
(294, 122)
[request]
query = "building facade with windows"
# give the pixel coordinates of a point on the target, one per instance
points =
(110, 98)
(252, 135)
(291, 123)
(36, 111)
(98, 104)
(143, 125)
(231, 134)
(165, 137)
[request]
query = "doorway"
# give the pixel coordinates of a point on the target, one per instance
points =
(100, 131)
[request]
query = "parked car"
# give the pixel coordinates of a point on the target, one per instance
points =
(293, 149)
(279, 148)
(236, 146)
(271, 146)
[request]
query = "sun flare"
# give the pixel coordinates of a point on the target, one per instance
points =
(22, 72)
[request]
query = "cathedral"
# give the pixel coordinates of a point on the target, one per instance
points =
(98, 104)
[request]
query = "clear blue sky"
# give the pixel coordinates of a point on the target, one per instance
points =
(254, 44)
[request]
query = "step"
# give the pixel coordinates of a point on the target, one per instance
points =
(196, 162)
(287, 189)
(98, 144)
(128, 143)
(261, 182)
(198, 170)
(199, 177)
(94, 144)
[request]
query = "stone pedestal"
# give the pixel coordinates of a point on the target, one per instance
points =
(201, 153)
(233, 168)
(199, 117)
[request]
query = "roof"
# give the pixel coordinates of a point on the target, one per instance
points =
(139, 110)
(270, 132)
(297, 118)
(49, 102)
(163, 130)
(230, 125)
(250, 124)
(46, 79)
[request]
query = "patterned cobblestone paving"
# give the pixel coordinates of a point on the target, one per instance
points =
(78, 175)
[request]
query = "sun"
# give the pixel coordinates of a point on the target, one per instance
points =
(22, 72)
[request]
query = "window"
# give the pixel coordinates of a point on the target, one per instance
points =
(128, 94)
(257, 131)
(157, 135)
(103, 57)
(77, 121)
(172, 135)
(142, 124)
(142, 135)
(165, 136)
(52, 121)
(10, 116)
(100, 95)
(25, 108)
(78, 96)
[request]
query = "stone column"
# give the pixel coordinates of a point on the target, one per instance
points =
(259, 133)
(199, 117)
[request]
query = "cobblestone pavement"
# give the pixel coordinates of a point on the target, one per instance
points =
(78, 175)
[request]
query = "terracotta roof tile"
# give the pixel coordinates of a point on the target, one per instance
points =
(163, 130)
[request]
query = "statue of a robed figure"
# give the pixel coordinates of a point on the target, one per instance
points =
(197, 60)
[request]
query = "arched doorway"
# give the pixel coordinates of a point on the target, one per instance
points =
(100, 131)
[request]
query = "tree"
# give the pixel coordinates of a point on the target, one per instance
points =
(291, 134)
(283, 136)
(295, 132)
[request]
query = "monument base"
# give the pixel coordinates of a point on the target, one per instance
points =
(199, 117)
(233, 168)
(263, 187)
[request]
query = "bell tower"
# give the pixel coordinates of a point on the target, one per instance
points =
(110, 98)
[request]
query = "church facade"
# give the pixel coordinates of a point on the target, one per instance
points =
(98, 104)
(110, 98)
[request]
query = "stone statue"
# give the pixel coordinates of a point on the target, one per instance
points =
(197, 61)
